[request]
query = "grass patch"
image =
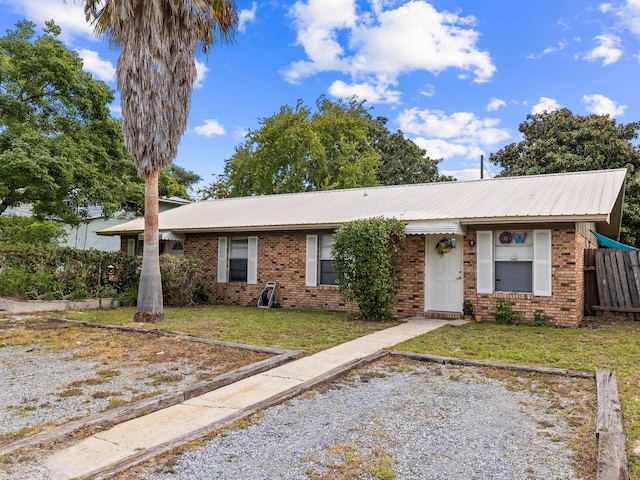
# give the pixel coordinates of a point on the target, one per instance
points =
(352, 461)
(311, 331)
(613, 345)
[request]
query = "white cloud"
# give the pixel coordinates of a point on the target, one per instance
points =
(605, 7)
(560, 46)
(116, 111)
(69, 15)
(446, 136)
(545, 104)
(601, 105)
(495, 104)
(201, 74)
(375, 47)
(629, 15)
(247, 16)
(428, 90)
(608, 50)
(239, 133)
(365, 91)
(99, 68)
(210, 128)
(463, 174)
(438, 148)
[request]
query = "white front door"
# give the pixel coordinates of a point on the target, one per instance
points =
(443, 282)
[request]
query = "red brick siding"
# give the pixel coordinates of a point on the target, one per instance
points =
(282, 258)
(566, 305)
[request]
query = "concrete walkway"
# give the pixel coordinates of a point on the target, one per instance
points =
(146, 436)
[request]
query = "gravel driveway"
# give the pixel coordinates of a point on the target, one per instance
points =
(413, 421)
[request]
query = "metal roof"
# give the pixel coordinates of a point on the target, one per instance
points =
(594, 196)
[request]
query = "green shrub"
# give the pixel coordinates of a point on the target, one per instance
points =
(182, 280)
(366, 261)
(540, 318)
(54, 272)
(14, 281)
(16, 229)
(505, 314)
(51, 272)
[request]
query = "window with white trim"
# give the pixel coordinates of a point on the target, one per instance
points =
(237, 259)
(517, 261)
(327, 275)
(320, 265)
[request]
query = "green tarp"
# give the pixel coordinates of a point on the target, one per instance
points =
(606, 242)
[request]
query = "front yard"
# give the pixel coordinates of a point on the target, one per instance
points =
(608, 344)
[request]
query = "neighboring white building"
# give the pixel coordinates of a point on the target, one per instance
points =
(84, 236)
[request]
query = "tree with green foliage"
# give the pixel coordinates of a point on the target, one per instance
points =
(156, 72)
(177, 182)
(402, 161)
(367, 263)
(16, 229)
(184, 179)
(298, 150)
(559, 141)
(60, 150)
(339, 145)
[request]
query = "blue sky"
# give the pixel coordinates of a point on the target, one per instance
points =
(457, 77)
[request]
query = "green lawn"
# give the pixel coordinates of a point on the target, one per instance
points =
(614, 345)
(310, 331)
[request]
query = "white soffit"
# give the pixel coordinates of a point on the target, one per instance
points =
(436, 228)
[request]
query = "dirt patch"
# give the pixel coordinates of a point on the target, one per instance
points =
(56, 372)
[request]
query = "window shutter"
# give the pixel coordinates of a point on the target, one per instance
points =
(484, 262)
(131, 247)
(542, 263)
(222, 259)
(312, 261)
(252, 260)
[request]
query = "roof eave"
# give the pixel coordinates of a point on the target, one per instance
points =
(600, 219)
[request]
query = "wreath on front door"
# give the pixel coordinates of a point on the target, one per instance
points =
(445, 245)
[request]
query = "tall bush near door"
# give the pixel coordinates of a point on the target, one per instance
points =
(367, 264)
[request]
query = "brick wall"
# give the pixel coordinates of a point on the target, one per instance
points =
(566, 305)
(282, 259)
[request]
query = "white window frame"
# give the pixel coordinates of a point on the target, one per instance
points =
(542, 269)
(224, 256)
(314, 258)
(322, 257)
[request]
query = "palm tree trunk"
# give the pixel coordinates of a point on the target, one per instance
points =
(149, 306)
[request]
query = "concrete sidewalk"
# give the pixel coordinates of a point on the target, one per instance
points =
(149, 435)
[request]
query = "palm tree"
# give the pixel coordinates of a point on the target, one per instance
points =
(155, 74)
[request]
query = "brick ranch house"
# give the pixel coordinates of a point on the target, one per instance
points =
(515, 238)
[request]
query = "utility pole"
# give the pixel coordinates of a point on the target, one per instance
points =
(481, 167)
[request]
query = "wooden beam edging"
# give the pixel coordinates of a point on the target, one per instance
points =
(112, 470)
(485, 363)
(166, 333)
(612, 463)
(612, 443)
(148, 405)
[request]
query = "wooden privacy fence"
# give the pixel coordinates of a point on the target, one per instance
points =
(616, 274)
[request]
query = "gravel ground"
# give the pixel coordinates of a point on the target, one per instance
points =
(423, 422)
(38, 388)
